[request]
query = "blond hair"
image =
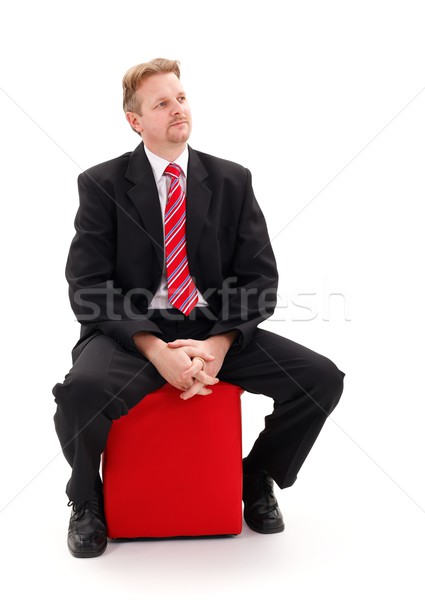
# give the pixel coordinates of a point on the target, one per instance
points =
(134, 77)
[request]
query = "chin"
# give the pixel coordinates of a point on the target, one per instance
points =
(179, 139)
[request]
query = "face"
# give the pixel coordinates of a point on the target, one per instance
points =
(165, 121)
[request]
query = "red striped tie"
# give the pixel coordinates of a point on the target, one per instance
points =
(182, 292)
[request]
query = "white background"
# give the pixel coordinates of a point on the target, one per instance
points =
(324, 103)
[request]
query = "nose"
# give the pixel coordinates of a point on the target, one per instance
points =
(176, 108)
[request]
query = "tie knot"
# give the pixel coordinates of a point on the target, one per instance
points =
(173, 170)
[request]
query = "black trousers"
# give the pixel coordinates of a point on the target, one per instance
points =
(106, 381)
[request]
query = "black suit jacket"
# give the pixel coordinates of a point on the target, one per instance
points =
(116, 256)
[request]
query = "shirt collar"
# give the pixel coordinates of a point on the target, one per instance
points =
(159, 164)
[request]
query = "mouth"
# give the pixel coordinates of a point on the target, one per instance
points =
(179, 123)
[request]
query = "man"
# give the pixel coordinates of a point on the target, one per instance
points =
(170, 272)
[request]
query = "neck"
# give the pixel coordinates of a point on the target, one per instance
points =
(168, 153)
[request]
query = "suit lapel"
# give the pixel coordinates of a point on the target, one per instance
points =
(145, 197)
(197, 203)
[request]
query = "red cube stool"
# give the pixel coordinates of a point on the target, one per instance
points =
(173, 467)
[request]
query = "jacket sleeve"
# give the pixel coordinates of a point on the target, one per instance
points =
(250, 295)
(96, 301)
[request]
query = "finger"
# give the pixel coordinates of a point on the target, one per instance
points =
(183, 384)
(182, 388)
(176, 343)
(191, 348)
(204, 391)
(194, 389)
(192, 352)
(192, 370)
(181, 342)
(186, 382)
(205, 378)
(200, 360)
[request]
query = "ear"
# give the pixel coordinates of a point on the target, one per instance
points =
(134, 121)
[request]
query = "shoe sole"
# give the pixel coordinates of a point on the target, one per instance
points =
(258, 529)
(88, 554)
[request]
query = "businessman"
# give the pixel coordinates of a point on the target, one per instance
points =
(170, 273)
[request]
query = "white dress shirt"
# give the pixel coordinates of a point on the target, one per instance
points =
(158, 164)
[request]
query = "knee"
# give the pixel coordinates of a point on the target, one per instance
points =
(329, 382)
(82, 397)
(78, 395)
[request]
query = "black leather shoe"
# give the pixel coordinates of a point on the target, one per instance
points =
(87, 529)
(261, 510)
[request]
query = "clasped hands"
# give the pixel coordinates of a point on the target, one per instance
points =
(200, 366)
(178, 363)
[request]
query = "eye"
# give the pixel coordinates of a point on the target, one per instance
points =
(182, 98)
(161, 104)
